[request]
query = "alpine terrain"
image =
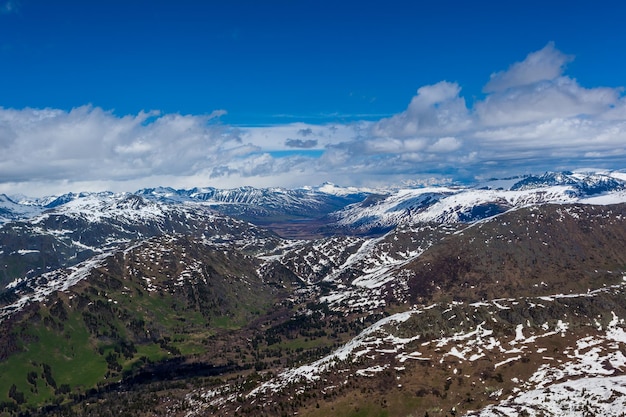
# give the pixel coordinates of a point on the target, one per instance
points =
(506, 298)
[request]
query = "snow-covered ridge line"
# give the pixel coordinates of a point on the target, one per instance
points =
(96, 208)
(50, 282)
(390, 206)
(470, 204)
(21, 207)
(13, 210)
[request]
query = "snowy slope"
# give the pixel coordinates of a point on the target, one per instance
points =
(479, 335)
(98, 208)
(11, 210)
(27, 291)
(556, 344)
(90, 224)
(260, 203)
(357, 208)
(451, 205)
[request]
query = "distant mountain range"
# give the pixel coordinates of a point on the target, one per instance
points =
(380, 213)
(260, 204)
(363, 209)
(503, 298)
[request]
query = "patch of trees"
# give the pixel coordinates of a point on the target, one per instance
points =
(16, 395)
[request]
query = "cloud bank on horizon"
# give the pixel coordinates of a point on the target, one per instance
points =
(532, 118)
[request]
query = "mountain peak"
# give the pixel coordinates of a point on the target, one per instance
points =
(458, 300)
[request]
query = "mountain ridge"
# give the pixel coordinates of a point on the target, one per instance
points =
(478, 301)
(581, 183)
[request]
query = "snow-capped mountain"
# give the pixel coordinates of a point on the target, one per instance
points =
(271, 207)
(469, 204)
(89, 224)
(506, 298)
(259, 204)
(363, 210)
(583, 184)
(11, 210)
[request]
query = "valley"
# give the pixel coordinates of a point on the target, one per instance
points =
(501, 299)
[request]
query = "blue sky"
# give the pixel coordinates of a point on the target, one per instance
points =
(125, 94)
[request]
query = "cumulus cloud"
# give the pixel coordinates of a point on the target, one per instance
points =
(445, 144)
(88, 143)
(534, 117)
(436, 108)
(561, 97)
(546, 64)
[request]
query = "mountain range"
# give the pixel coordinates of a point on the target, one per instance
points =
(501, 298)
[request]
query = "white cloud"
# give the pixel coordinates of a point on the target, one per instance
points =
(561, 97)
(546, 64)
(534, 117)
(277, 137)
(435, 109)
(445, 144)
(88, 143)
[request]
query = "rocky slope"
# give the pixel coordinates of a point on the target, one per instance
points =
(176, 310)
(93, 224)
(483, 319)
